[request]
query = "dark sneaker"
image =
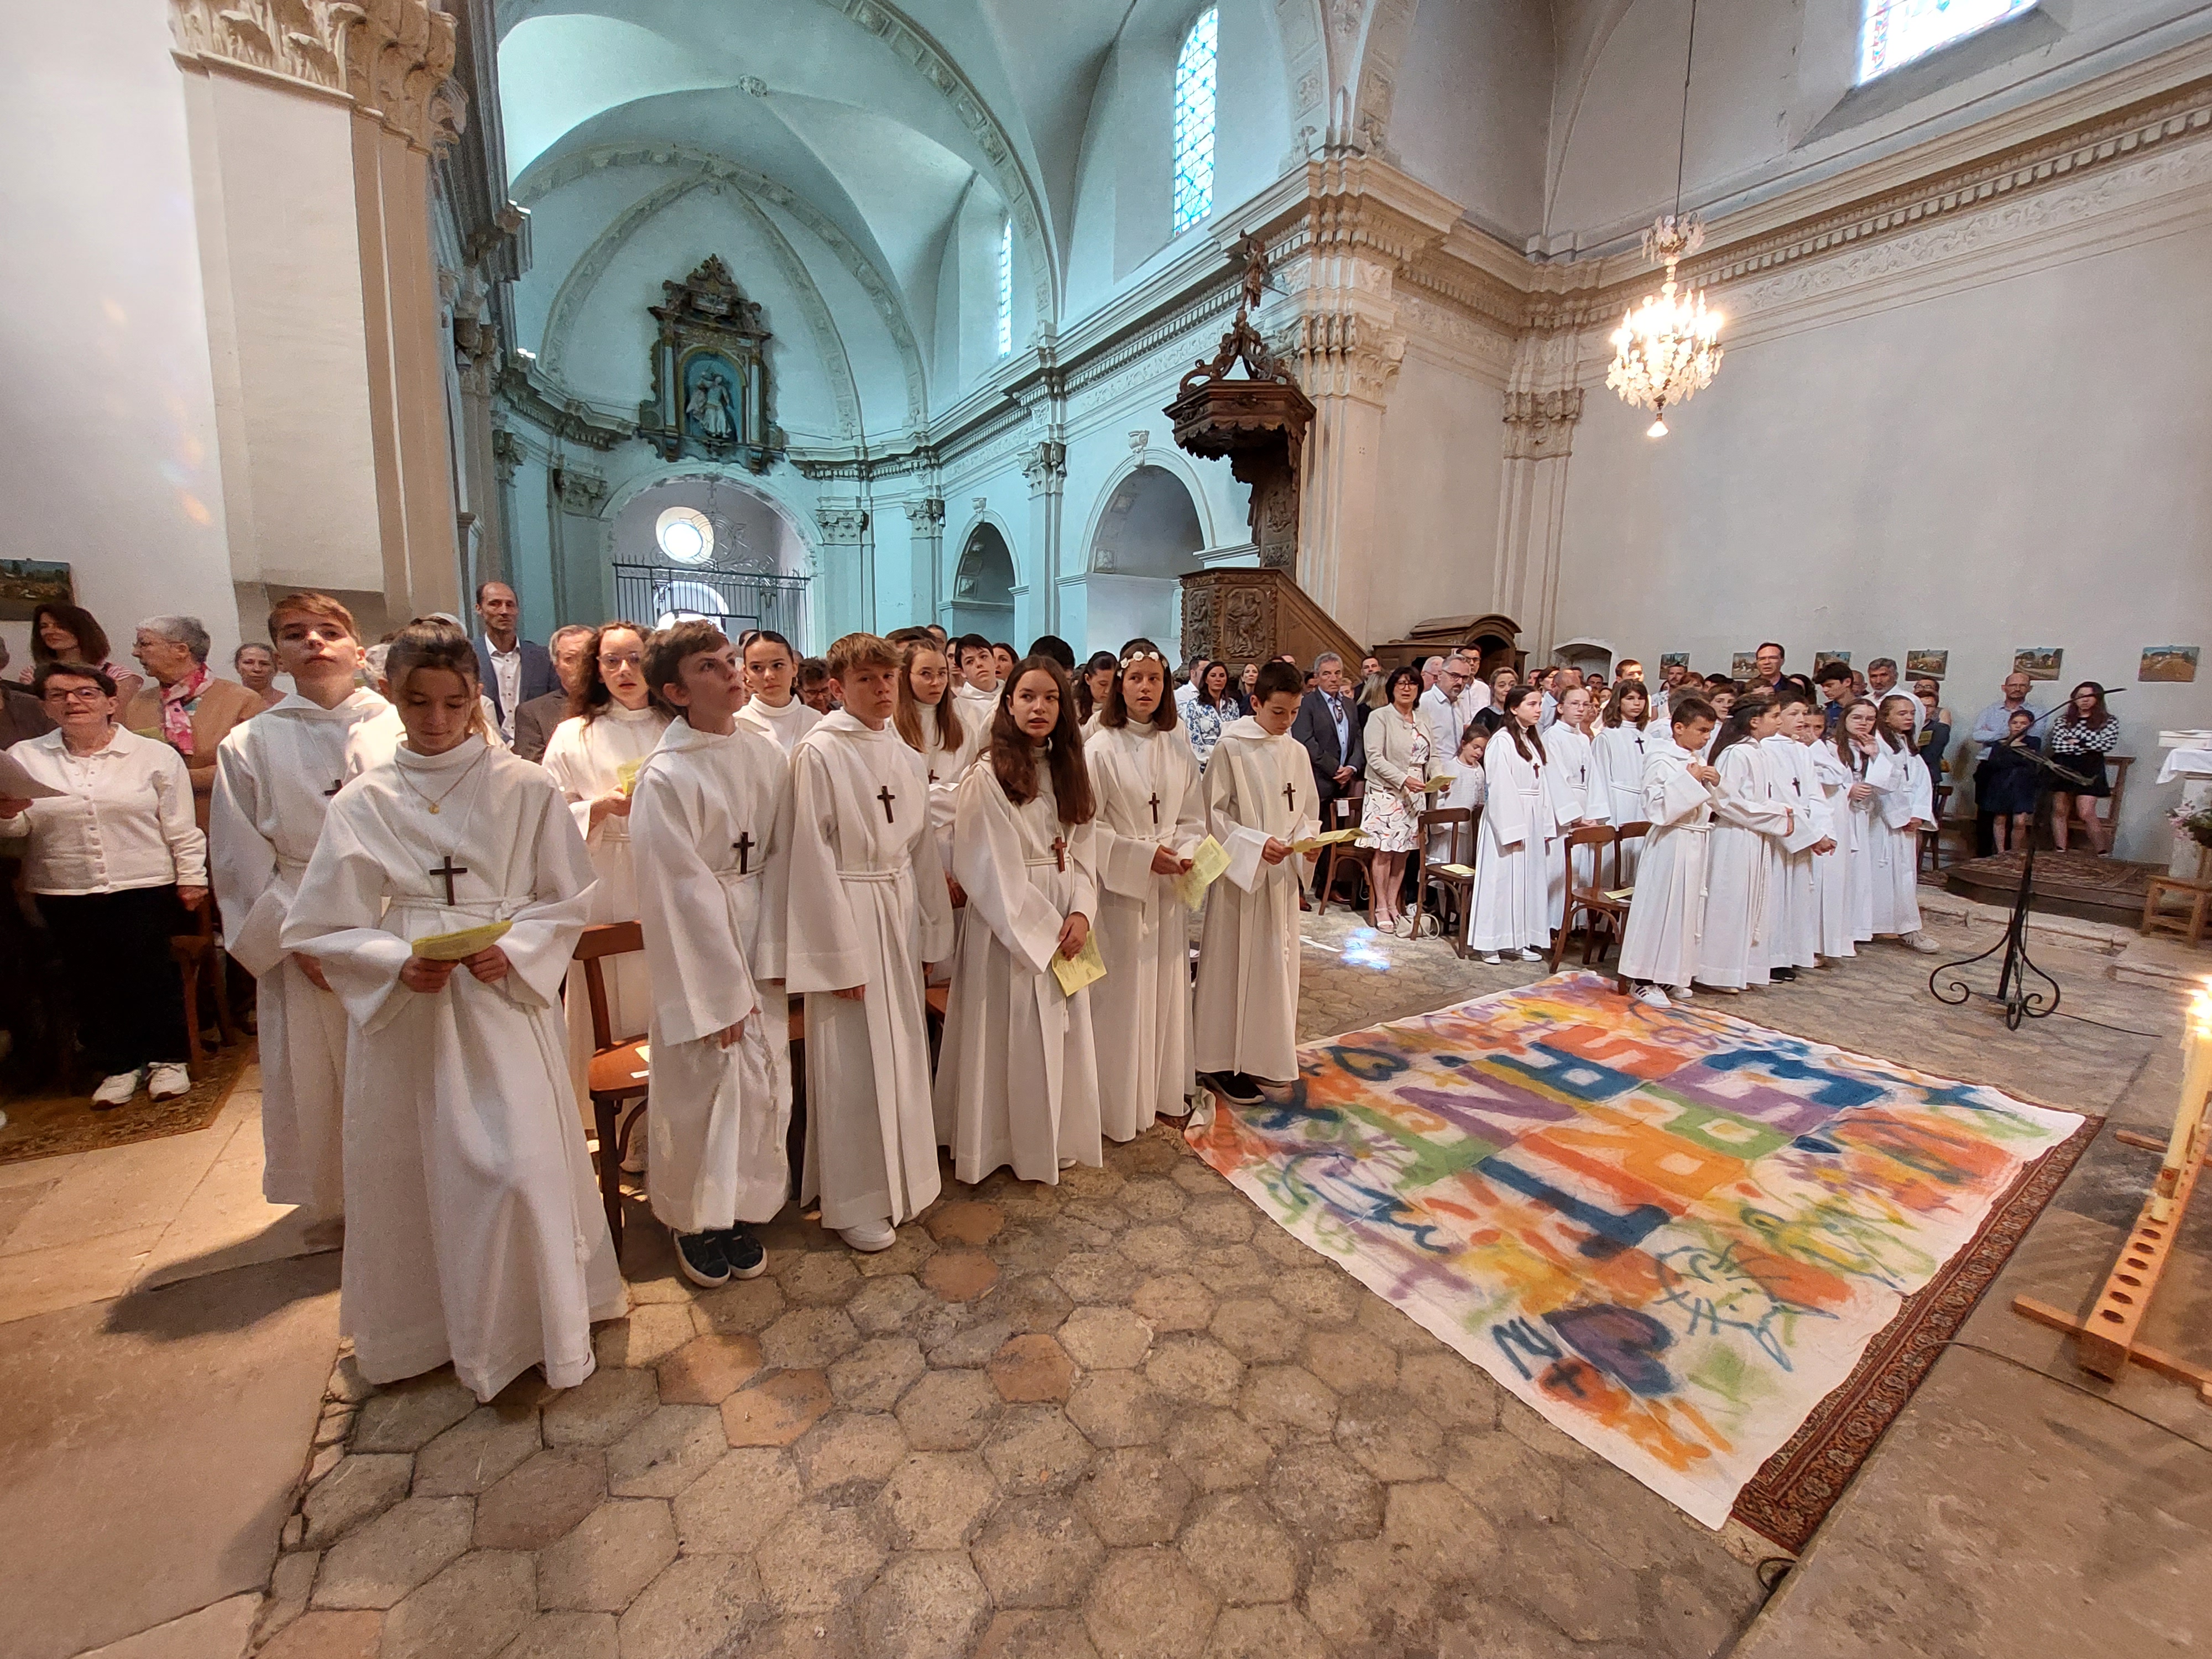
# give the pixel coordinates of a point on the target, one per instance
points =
(1787, 975)
(700, 1255)
(1237, 1089)
(745, 1256)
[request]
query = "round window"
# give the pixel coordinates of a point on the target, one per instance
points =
(685, 534)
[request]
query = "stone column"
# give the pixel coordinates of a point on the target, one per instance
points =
(925, 519)
(845, 593)
(1037, 594)
(583, 581)
(1539, 433)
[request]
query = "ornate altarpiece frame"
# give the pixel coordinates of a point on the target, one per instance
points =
(710, 375)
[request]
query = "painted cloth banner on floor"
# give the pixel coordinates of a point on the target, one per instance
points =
(1670, 1231)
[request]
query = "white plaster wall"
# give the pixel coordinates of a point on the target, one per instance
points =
(1473, 104)
(107, 431)
(2019, 463)
(1437, 526)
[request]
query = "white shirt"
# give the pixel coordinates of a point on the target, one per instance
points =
(782, 726)
(124, 818)
(507, 671)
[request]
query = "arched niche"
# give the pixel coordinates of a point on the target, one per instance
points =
(711, 546)
(983, 586)
(1146, 536)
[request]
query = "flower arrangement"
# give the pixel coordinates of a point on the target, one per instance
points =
(2196, 825)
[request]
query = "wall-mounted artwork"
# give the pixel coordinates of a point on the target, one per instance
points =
(2174, 663)
(1743, 664)
(27, 584)
(1673, 659)
(1822, 658)
(710, 387)
(2038, 662)
(1930, 664)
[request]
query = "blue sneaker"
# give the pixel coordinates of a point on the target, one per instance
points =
(700, 1255)
(744, 1255)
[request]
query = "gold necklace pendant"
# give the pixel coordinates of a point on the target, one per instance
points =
(434, 809)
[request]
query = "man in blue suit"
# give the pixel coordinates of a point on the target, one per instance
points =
(513, 670)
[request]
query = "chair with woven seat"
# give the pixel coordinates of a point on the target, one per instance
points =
(199, 962)
(1457, 825)
(1343, 813)
(619, 1071)
(1590, 902)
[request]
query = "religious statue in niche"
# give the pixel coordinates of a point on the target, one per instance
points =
(710, 378)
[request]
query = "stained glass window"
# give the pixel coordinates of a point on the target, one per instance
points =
(1193, 120)
(1896, 32)
(1006, 286)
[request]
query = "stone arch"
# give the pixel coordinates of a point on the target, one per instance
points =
(979, 596)
(756, 582)
(1146, 532)
(1106, 524)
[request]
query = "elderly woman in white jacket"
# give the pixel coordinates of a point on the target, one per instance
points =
(1398, 764)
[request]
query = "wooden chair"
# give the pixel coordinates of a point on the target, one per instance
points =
(199, 962)
(1343, 813)
(1454, 821)
(1931, 841)
(1590, 902)
(2189, 923)
(619, 1074)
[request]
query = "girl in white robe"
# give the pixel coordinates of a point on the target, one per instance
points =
(1907, 806)
(1661, 943)
(1151, 816)
(1511, 880)
(1862, 757)
(771, 708)
(594, 757)
(1796, 942)
(711, 833)
(474, 1232)
(275, 775)
(868, 912)
(1832, 873)
(1629, 730)
(1260, 801)
(1745, 866)
(1017, 1071)
(930, 722)
(1576, 803)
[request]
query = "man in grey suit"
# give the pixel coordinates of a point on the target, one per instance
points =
(535, 721)
(1328, 724)
(513, 669)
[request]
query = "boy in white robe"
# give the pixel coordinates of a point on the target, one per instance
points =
(1260, 800)
(275, 775)
(771, 706)
(474, 1232)
(710, 830)
(1016, 1072)
(1659, 947)
(1748, 826)
(868, 910)
(1797, 901)
(978, 690)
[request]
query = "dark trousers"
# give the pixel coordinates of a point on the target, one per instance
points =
(117, 973)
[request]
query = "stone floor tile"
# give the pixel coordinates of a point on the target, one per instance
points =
(380, 1561)
(697, 1606)
(964, 1221)
(1434, 1525)
(402, 1417)
(1098, 1277)
(1031, 1369)
(1151, 1199)
(1134, 1495)
(819, 1279)
(291, 1582)
(776, 1409)
(1228, 1220)
(614, 1552)
(873, 1375)
(1031, 1303)
(652, 1331)
(1037, 1633)
(567, 1636)
(1218, 1449)
(1509, 1481)
(357, 1489)
(328, 1636)
(1498, 1630)
(219, 1630)
(739, 1502)
(471, 1610)
(1352, 1362)
(708, 1370)
(1174, 1302)
(887, 1306)
(1235, 1544)
(1287, 1400)
(1319, 1295)
(1371, 1599)
(1391, 1325)
(831, 1634)
(1199, 1179)
(541, 1500)
(963, 1338)
(1323, 1494)
(1096, 1212)
(1155, 1247)
(600, 1410)
(1257, 1328)
(1147, 1604)
(809, 1338)
(1567, 1581)
(1035, 1448)
(849, 1446)
(820, 1560)
(948, 1411)
(1106, 1338)
(480, 1450)
(1284, 1249)
(666, 1453)
(913, 1248)
(924, 1606)
(1690, 1618)
(1118, 1409)
(1452, 1390)
(938, 1500)
(959, 1275)
(744, 1306)
(1232, 1269)
(1037, 1552)
(1194, 1369)
(1390, 1436)
(1265, 1632)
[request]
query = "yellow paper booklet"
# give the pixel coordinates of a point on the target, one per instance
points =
(1438, 784)
(1078, 970)
(1454, 869)
(459, 947)
(1619, 893)
(1207, 861)
(1326, 838)
(626, 775)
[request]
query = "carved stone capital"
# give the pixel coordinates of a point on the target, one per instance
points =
(1541, 425)
(843, 523)
(391, 57)
(507, 453)
(578, 492)
(1343, 354)
(926, 513)
(1047, 466)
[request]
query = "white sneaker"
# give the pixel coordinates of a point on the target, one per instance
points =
(1491, 959)
(1652, 996)
(168, 1081)
(878, 1236)
(633, 1156)
(1527, 955)
(117, 1090)
(1681, 992)
(1920, 942)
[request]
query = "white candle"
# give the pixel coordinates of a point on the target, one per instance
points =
(2189, 1114)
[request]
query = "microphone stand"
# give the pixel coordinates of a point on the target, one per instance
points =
(2020, 999)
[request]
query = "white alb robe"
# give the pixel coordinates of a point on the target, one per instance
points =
(868, 907)
(1746, 870)
(782, 726)
(1797, 934)
(1569, 783)
(1246, 1005)
(1511, 880)
(1859, 878)
(1667, 916)
(1616, 759)
(1832, 873)
(976, 710)
(1893, 875)
(1148, 790)
(275, 775)
(710, 837)
(474, 1232)
(586, 760)
(1017, 1071)
(371, 740)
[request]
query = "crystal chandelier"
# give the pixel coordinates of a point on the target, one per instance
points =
(1667, 348)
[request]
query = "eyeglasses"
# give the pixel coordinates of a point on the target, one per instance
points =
(628, 659)
(85, 693)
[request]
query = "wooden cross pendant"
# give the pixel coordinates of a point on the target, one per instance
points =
(1059, 853)
(337, 784)
(447, 872)
(743, 846)
(1155, 804)
(1290, 796)
(886, 796)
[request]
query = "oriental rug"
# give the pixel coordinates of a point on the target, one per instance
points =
(50, 1124)
(1671, 1232)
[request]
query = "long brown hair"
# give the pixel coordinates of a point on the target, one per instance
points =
(2097, 722)
(1891, 739)
(1749, 707)
(435, 645)
(1114, 712)
(908, 717)
(1615, 716)
(1524, 737)
(1013, 756)
(590, 698)
(1845, 752)
(91, 638)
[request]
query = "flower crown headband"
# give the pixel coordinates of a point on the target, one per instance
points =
(1142, 656)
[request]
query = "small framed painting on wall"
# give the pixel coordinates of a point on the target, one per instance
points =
(2038, 662)
(27, 584)
(2170, 664)
(1926, 665)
